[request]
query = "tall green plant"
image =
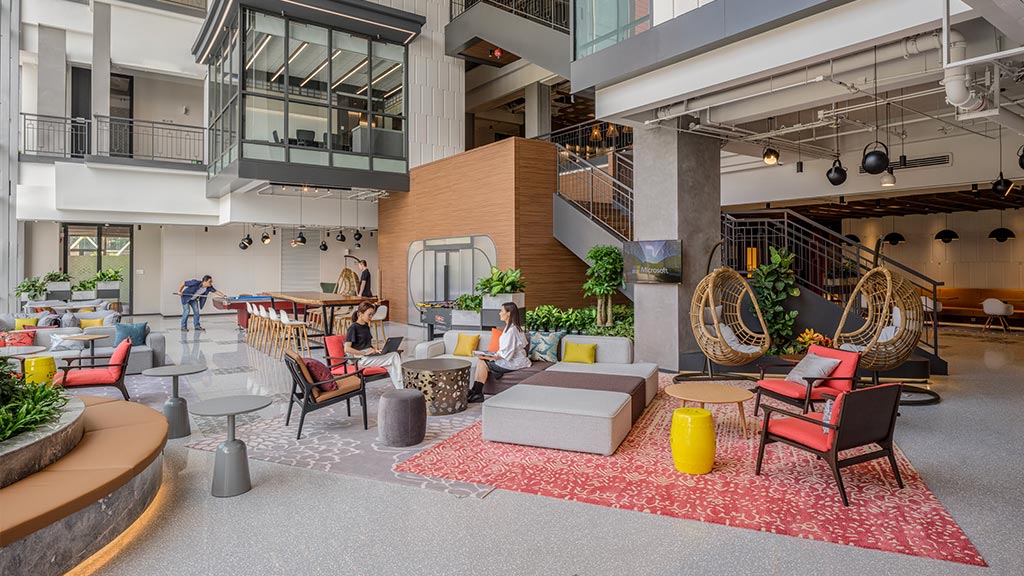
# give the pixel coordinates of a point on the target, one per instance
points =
(31, 288)
(507, 282)
(774, 282)
(23, 406)
(604, 277)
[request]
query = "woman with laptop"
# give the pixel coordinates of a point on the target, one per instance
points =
(511, 354)
(359, 344)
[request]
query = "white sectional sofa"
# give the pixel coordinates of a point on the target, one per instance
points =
(149, 355)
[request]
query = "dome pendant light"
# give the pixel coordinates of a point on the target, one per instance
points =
(770, 155)
(265, 238)
(300, 239)
(1002, 186)
(323, 246)
(341, 236)
(1001, 234)
(946, 235)
(894, 238)
(888, 178)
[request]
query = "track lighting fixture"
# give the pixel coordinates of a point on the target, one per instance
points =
(265, 238)
(243, 246)
(341, 236)
(358, 236)
(770, 155)
(300, 239)
(247, 240)
(323, 245)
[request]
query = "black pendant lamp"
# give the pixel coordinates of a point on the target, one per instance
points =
(946, 235)
(323, 246)
(894, 238)
(265, 238)
(341, 236)
(1001, 234)
(853, 238)
(1002, 185)
(358, 236)
(300, 239)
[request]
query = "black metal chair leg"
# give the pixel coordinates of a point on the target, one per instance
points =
(362, 400)
(348, 404)
(757, 401)
(302, 420)
(895, 468)
(288, 416)
(839, 480)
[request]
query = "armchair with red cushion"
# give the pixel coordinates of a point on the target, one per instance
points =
(312, 394)
(858, 418)
(842, 379)
(111, 374)
(340, 363)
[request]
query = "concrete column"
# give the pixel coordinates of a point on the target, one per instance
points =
(53, 72)
(11, 234)
(538, 109)
(677, 195)
(100, 65)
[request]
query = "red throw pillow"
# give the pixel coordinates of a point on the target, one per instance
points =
(495, 344)
(320, 372)
(21, 338)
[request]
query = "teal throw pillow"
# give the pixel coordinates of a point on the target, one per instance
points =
(136, 332)
(544, 346)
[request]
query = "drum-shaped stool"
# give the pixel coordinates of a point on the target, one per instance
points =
(402, 417)
(40, 370)
(693, 440)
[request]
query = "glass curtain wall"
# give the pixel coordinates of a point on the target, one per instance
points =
(309, 95)
(603, 23)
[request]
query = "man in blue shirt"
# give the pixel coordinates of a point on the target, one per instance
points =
(193, 297)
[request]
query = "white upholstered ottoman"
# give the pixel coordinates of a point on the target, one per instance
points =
(592, 421)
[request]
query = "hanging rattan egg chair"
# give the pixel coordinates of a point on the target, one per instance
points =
(717, 322)
(883, 320)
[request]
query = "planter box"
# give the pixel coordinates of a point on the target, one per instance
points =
(465, 318)
(58, 287)
(495, 302)
(109, 285)
(84, 295)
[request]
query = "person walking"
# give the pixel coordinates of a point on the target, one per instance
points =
(364, 281)
(193, 297)
(359, 344)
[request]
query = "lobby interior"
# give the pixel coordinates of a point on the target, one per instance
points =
(771, 310)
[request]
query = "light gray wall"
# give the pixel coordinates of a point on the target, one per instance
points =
(53, 71)
(677, 195)
(538, 109)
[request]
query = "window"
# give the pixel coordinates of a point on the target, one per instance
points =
(604, 23)
(308, 95)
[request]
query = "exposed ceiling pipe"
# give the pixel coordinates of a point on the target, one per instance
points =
(958, 93)
(904, 48)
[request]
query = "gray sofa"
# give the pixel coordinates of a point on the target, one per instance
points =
(152, 354)
(614, 357)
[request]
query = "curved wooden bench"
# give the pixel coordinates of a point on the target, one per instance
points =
(121, 440)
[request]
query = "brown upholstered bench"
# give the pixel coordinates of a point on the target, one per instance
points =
(635, 386)
(121, 440)
(497, 385)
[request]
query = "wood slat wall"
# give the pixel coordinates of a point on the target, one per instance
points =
(502, 190)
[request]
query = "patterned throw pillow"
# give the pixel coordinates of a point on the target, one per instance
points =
(18, 338)
(320, 372)
(826, 415)
(544, 346)
(60, 342)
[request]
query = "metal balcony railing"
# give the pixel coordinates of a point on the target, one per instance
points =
(592, 139)
(56, 136)
(551, 13)
(826, 263)
(190, 3)
(147, 140)
(601, 196)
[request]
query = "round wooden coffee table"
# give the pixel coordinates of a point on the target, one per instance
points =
(712, 393)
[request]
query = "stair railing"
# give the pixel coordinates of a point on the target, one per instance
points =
(551, 13)
(601, 196)
(826, 262)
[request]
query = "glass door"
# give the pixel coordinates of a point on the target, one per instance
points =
(89, 248)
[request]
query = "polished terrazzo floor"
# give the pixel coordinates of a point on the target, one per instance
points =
(298, 521)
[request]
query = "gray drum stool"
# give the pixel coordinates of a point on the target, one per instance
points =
(402, 417)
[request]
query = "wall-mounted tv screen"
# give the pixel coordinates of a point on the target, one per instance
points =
(653, 261)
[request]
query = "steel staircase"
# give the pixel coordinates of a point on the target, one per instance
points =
(828, 266)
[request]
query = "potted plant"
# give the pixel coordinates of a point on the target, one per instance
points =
(57, 281)
(500, 287)
(109, 279)
(84, 290)
(604, 278)
(466, 310)
(546, 318)
(25, 407)
(31, 288)
(774, 282)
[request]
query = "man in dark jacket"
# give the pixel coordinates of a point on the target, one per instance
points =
(193, 297)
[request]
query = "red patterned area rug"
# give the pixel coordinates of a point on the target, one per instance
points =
(795, 494)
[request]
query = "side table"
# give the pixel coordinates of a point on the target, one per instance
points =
(176, 407)
(443, 381)
(231, 463)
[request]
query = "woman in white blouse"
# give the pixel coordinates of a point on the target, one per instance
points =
(511, 354)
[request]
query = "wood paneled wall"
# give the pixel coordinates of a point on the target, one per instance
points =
(502, 190)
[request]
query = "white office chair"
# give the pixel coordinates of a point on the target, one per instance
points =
(377, 321)
(997, 309)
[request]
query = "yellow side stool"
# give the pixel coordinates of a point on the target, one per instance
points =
(693, 440)
(40, 370)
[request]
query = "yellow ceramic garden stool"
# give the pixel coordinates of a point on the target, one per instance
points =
(40, 370)
(693, 440)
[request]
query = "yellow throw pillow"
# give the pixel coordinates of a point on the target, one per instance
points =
(20, 323)
(467, 344)
(86, 310)
(580, 353)
(90, 322)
